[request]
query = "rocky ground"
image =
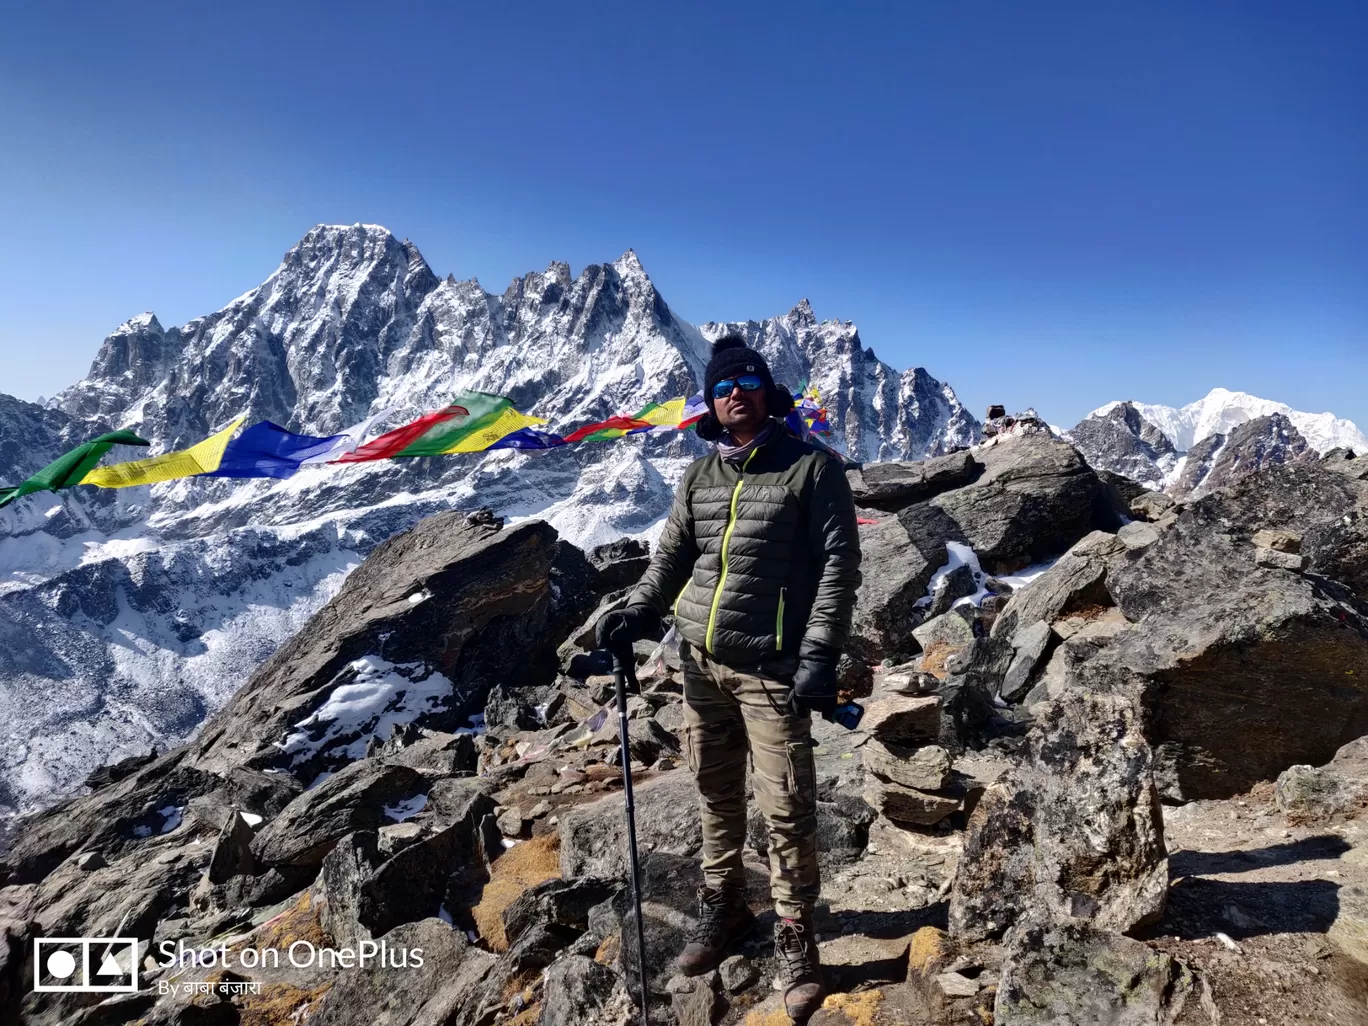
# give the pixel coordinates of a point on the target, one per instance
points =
(1110, 772)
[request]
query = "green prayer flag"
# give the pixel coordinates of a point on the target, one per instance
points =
(68, 469)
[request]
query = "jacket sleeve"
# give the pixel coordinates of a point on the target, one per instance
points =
(834, 534)
(674, 557)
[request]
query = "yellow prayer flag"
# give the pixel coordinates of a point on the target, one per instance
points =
(480, 439)
(667, 414)
(201, 458)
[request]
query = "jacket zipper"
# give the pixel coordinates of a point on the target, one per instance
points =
(679, 597)
(779, 623)
(726, 540)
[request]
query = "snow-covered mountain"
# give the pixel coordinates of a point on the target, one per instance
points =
(126, 617)
(1209, 443)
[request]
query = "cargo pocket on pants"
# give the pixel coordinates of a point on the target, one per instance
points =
(802, 770)
(689, 750)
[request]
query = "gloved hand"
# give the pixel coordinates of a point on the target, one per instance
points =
(814, 682)
(624, 626)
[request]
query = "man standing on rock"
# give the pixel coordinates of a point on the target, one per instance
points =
(759, 562)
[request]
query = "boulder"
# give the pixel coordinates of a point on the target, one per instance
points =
(557, 902)
(435, 753)
(926, 768)
(1072, 974)
(368, 894)
(232, 851)
(354, 798)
(1075, 831)
(1317, 794)
(1245, 670)
(577, 992)
(493, 604)
(1034, 499)
(957, 584)
(369, 996)
(1150, 506)
(1029, 645)
(620, 563)
(1077, 580)
(593, 836)
(894, 485)
(886, 608)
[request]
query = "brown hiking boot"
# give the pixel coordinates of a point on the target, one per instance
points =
(723, 916)
(800, 967)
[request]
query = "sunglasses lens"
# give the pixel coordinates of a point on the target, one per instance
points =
(750, 382)
(723, 389)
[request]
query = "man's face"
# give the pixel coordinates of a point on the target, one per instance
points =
(740, 410)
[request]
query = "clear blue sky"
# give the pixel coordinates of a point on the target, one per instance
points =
(1049, 203)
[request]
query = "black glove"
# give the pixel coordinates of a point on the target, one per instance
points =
(814, 682)
(622, 627)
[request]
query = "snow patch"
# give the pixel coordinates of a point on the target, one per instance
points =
(401, 811)
(380, 696)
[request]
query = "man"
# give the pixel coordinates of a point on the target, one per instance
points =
(759, 562)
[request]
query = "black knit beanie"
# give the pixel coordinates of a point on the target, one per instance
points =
(731, 358)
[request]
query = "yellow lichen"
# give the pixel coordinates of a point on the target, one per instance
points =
(928, 947)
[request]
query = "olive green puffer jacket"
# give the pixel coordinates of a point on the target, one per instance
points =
(756, 559)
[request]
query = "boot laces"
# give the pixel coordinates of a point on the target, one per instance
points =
(793, 946)
(714, 915)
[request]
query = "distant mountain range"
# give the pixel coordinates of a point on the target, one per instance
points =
(125, 617)
(1209, 443)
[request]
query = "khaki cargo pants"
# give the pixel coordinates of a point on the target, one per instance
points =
(728, 717)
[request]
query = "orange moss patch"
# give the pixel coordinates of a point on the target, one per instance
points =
(278, 1003)
(607, 952)
(522, 866)
(859, 1008)
(928, 947)
(935, 657)
(774, 1017)
(301, 921)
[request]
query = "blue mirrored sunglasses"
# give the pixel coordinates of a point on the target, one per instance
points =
(747, 383)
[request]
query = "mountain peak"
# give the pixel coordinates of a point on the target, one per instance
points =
(802, 312)
(629, 266)
(146, 321)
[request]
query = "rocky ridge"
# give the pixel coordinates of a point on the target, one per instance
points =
(1110, 771)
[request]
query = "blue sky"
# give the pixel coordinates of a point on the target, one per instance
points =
(1054, 203)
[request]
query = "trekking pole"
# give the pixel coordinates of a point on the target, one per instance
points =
(624, 671)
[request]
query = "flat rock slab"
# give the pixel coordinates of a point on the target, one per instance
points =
(908, 805)
(903, 720)
(926, 768)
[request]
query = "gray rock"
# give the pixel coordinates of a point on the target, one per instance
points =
(1077, 580)
(232, 851)
(436, 753)
(908, 805)
(886, 608)
(1275, 560)
(364, 996)
(577, 992)
(693, 1002)
(1277, 540)
(1071, 974)
(957, 584)
(511, 822)
(1150, 506)
(1029, 645)
(737, 973)
(620, 562)
(952, 631)
(559, 902)
(90, 860)
(354, 798)
(1035, 498)
(903, 720)
(1074, 832)
(1312, 794)
(926, 768)
(1138, 534)
(894, 485)
(593, 841)
(956, 985)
